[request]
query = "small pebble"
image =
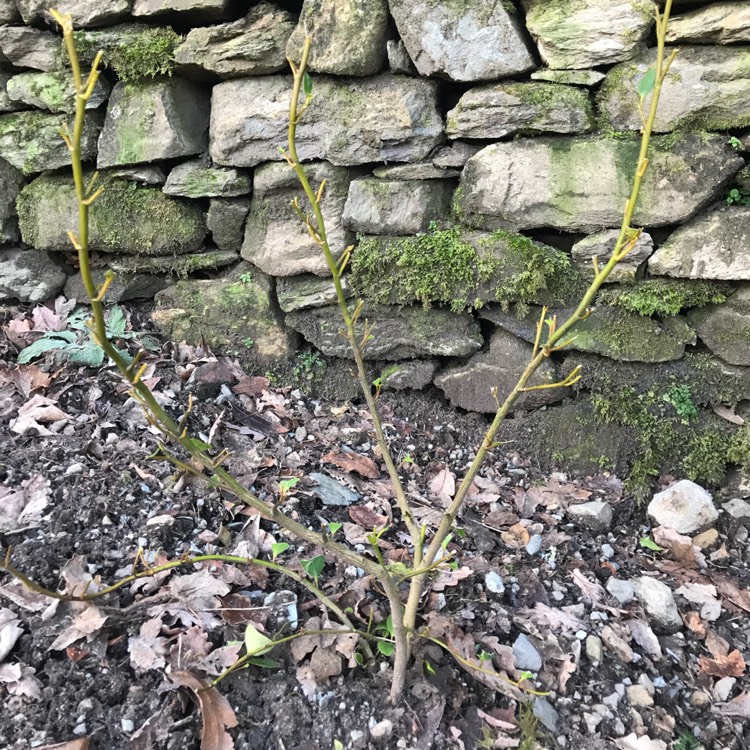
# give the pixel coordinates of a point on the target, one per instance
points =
(699, 698)
(608, 551)
(623, 591)
(80, 729)
(594, 649)
(525, 654)
(382, 730)
(639, 696)
(494, 583)
(534, 545)
(74, 469)
(127, 725)
(723, 688)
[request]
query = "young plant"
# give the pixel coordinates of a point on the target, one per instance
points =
(428, 552)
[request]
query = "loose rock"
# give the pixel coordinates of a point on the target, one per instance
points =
(332, 492)
(29, 276)
(717, 23)
(658, 602)
(526, 655)
(623, 591)
(596, 515)
(226, 222)
(720, 327)
(29, 48)
(685, 507)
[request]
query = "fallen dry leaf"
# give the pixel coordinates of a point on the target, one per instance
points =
(705, 595)
(36, 412)
(681, 547)
(366, 517)
(81, 744)
(695, 624)
(443, 485)
(716, 645)
(362, 465)
(731, 665)
(18, 679)
(516, 537)
(25, 378)
(148, 649)
(198, 590)
(644, 742)
(645, 637)
(10, 631)
(451, 578)
(739, 706)
(23, 506)
(726, 413)
(216, 712)
(84, 625)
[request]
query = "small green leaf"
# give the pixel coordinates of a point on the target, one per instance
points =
(389, 625)
(649, 543)
(526, 675)
(314, 567)
(647, 83)
(484, 656)
(386, 647)
(307, 84)
(255, 642)
(198, 445)
(116, 323)
(428, 667)
(264, 662)
(39, 347)
(286, 484)
(334, 527)
(338, 745)
(278, 548)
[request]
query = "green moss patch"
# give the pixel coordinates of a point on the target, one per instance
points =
(459, 268)
(664, 296)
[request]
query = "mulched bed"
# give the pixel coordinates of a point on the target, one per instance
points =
(80, 495)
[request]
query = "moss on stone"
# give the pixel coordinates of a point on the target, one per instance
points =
(458, 268)
(664, 296)
(133, 52)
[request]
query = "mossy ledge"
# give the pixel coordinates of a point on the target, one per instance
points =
(461, 269)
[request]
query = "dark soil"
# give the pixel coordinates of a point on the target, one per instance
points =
(107, 498)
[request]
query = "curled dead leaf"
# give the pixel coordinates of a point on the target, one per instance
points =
(731, 665)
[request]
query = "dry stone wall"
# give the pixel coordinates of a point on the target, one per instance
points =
(478, 153)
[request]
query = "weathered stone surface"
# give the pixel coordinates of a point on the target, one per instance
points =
(124, 288)
(348, 36)
(685, 507)
(414, 373)
(608, 331)
(6, 103)
(595, 515)
(307, 290)
(455, 155)
(708, 88)
(332, 492)
(657, 599)
(717, 23)
(226, 222)
(396, 206)
(29, 48)
(725, 328)
(622, 590)
(174, 265)
(153, 120)
(31, 141)
(9, 12)
(715, 245)
(737, 509)
(53, 91)
(397, 333)
(479, 40)
(588, 33)
(497, 110)
(196, 9)
(199, 179)
(126, 218)
(11, 180)
(359, 121)
(29, 275)
(398, 58)
(145, 174)
(470, 385)
(86, 13)
(583, 183)
(418, 171)
(569, 77)
(601, 245)
(253, 45)
(235, 318)
(275, 239)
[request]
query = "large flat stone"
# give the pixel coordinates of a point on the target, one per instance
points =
(601, 245)
(725, 328)
(498, 110)
(307, 290)
(355, 121)
(53, 91)
(200, 179)
(396, 206)
(31, 140)
(11, 181)
(226, 222)
(29, 275)
(30, 48)
(608, 331)
(707, 88)
(253, 45)
(470, 385)
(478, 40)
(348, 36)
(194, 9)
(588, 33)
(236, 318)
(276, 240)
(86, 13)
(714, 245)
(582, 184)
(153, 120)
(9, 12)
(397, 332)
(126, 218)
(717, 23)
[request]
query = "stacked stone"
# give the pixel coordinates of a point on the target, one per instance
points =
(501, 126)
